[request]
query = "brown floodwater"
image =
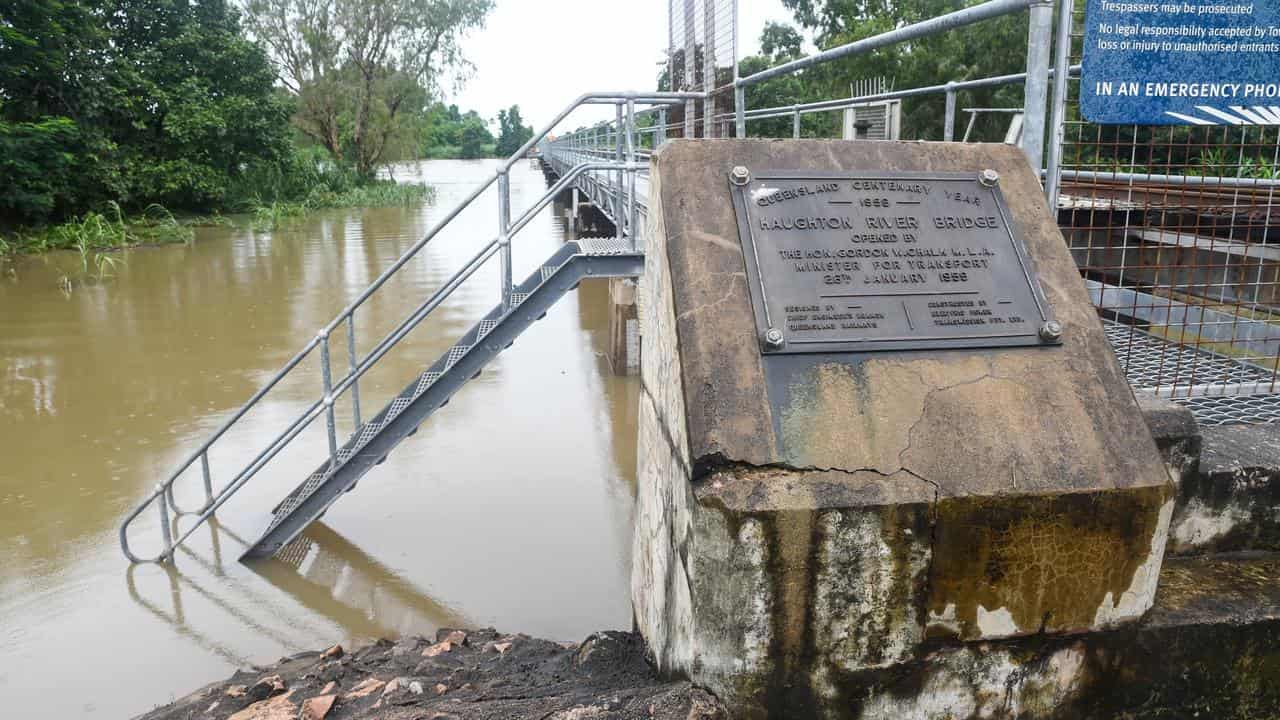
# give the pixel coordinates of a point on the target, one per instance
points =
(510, 508)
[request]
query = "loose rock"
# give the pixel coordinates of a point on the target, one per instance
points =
(317, 707)
(607, 677)
(277, 708)
(439, 648)
(366, 687)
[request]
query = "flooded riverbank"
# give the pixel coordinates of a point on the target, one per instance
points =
(510, 508)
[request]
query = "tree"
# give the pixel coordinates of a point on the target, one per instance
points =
(513, 133)
(360, 67)
(781, 43)
(475, 138)
(196, 100)
(132, 101)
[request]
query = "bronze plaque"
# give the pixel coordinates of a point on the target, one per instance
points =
(885, 261)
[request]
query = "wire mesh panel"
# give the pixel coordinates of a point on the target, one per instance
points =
(701, 55)
(1175, 231)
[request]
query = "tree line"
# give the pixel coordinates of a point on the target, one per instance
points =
(197, 106)
(450, 133)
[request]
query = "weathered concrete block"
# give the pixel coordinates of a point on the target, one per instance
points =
(1209, 648)
(805, 518)
(1176, 434)
(1233, 503)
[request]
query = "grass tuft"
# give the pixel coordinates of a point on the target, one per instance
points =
(268, 216)
(100, 231)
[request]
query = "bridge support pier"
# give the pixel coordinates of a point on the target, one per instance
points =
(573, 214)
(624, 327)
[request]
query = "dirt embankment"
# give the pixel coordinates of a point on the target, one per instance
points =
(465, 675)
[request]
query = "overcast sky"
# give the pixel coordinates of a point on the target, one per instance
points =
(541, 54)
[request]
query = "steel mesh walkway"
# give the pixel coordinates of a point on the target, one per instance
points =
(1151, 362)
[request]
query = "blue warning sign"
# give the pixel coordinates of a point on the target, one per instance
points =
(1197, 62)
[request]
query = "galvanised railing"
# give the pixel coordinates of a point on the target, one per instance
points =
(162, 497)
(1040, 36)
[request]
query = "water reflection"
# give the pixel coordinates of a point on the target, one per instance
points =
(332, 578)
(338, 580)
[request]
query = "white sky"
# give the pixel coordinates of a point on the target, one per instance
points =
(541, 54)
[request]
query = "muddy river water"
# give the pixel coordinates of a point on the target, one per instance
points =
(510, 508)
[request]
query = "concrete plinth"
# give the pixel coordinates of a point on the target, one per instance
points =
(803, 519)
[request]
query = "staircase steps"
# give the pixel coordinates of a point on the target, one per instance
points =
(431, 390)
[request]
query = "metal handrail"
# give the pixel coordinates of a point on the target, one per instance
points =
(164, 490)
(843, 103)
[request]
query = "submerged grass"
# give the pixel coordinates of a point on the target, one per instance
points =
(100, 231)
(270, 215)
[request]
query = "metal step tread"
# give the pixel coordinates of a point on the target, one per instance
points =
(606, 246)
(455, 354)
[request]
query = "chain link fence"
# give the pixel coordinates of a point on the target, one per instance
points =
(701, 57)
(1174, 229)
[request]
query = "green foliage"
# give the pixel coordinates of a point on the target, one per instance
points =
(42, 164)
(448, 133)
(278, 194)
(779, 44)
(513, 133)
(475, 139)
(990, 48)
(130, 101)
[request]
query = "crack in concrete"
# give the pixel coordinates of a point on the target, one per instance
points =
(924, 406)
(728, 295)
(711, 465)
(664, 429)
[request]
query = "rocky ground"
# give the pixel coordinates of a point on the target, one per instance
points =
(468, 675)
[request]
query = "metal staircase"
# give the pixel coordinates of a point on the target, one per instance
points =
(369, 444)
(432, 390)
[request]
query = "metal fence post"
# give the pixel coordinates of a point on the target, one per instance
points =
(1061, 82)
(354, 363)
(739, 110)
(949, 117)
(326, 378)
(633, 208)
(165, 532)
(1036, 91)
(504, 225)
(662, 127)
(207, 476)
(795, 122)
(739, 91)
(619, 220)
